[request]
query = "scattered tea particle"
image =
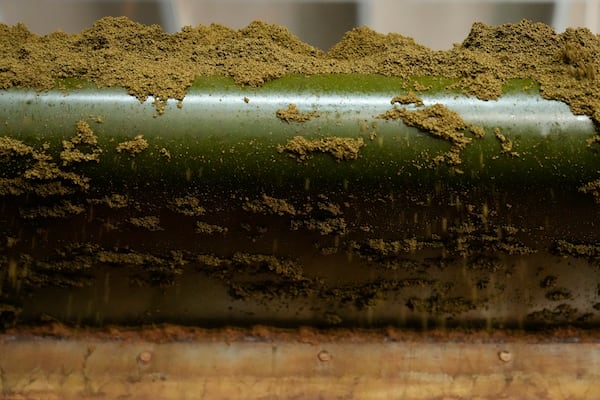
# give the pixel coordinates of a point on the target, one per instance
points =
(85, 137)
(328, 226)
(409, 98)
(505, 143)
(269, 205)
(565, 248)
(331, 208)
(419, 87)
(113, 201)
(150, 223)
(59, 209)
(592, 188)
(278, 206)
(165, 153)
(341, 148)
(188, 205)
(440, 122)
(592, 140)
(133, 147)
(292, 114)
(478, 131)
(206, 228)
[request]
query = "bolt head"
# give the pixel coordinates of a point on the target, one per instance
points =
(324, 356)
(145, 357)
(505, 356)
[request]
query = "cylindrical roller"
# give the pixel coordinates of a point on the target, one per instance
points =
(326, 199)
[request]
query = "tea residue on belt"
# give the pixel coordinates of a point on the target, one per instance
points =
(37, 171)
(270, 205)
(439, 122)
(150, 222)
(113, 201)
(284, 267)
(409, 98)
(439, 305)
(133, 147)
(592, 188)
(165, 153)
(188, 206)
(505, 143)
(60, 209)
(127, 257)
(560, 314)
(328, 226)
(209, 229)
(85, 137)
(278, 206)
(331, 208)
(292, 114)
(341, 148)
(384, 248)
(584, 250)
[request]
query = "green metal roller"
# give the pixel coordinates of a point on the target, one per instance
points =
(330, 200)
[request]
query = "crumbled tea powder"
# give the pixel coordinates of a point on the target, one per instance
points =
(71, 148)
(341, 148)
(209, 229)
(292, 114)
(439, 122)
(505, 143)
(133, 147)
(151, 223)
(409, 98)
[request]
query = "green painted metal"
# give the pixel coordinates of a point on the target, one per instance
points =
(485, 235)
(214, 130)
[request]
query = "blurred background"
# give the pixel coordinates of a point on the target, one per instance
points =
(435, 23)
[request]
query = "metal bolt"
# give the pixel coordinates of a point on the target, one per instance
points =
(324, 356)
(145, 357)
(505, 355)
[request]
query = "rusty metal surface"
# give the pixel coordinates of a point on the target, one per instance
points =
(297, 366)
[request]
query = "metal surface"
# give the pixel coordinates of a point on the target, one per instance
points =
(259, 367)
